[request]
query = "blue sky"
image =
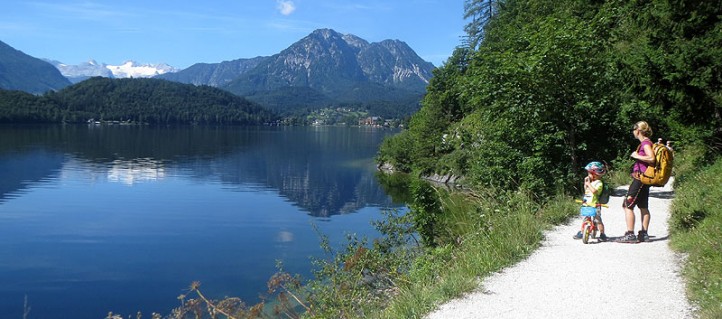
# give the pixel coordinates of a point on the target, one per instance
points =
(184, 32)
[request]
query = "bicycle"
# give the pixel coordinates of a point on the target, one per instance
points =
(589, 223)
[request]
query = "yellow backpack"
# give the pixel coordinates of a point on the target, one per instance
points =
(659, 173)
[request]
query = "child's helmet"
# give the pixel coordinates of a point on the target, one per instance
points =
(596, 168)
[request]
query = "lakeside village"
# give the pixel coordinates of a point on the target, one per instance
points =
(342, 116)
(328, 116)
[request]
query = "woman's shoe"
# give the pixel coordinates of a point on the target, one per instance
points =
(642, 236)
(628, 238)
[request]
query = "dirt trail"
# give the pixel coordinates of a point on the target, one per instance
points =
(567, 279)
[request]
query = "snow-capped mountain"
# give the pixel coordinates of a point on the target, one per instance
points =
(135, 70)
(82, 71)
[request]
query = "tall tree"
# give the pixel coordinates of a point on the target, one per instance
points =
(480, 12)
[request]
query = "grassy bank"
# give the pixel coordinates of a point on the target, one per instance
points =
(490, 231)
(403, 275)
(696, 223)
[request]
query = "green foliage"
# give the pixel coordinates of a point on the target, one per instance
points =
(426, 211)
(694, 199)
(423, 141)
(21, 107)
(358, 280)
(696, 223)
(668, 53)
(397, 152)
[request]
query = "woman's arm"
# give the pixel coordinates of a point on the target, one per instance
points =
(649, 158)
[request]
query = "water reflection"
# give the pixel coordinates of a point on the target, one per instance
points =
(136, 170)
(325, 171)
(123, 218)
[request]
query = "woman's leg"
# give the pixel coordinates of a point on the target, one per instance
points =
(630, 218)
(645, 216)
(643, 204)
(630, 201)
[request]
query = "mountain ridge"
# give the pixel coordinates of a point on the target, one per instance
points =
(324, 69)
(346, 69)
(306, 62)
(19, 71)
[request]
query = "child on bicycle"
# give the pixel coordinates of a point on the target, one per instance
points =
(593, 187)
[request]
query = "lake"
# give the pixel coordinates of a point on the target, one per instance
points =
(123, 218)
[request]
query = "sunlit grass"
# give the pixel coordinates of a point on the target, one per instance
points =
(697, 231)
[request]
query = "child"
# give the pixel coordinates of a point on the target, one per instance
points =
(593, 186)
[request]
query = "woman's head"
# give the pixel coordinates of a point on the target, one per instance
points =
(643, 128)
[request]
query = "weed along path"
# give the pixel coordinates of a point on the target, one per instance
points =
(566, 279)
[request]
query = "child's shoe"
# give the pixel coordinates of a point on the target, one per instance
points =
(603, 237)
(578, 235)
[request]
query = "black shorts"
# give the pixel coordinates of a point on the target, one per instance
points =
(637, 195)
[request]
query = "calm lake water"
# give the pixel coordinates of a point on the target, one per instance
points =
(123, 218)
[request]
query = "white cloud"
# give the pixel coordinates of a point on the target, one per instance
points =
(286, 7)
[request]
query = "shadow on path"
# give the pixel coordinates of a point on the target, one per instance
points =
(651, 239)
(661, 194)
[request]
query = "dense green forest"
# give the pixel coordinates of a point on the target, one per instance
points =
(541, 87)
(150, 101)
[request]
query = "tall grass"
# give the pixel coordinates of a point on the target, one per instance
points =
(696, 223)
(489, 231)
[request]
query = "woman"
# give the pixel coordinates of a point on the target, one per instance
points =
(638, 193)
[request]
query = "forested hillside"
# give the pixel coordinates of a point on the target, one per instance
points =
(135, 100)
(541, 87)
(19, 71)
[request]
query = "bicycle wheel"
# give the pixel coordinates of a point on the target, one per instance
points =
(585, 237)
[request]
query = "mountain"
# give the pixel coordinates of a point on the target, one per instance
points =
(336, 64)
(129, 69)
(19, 71)
(83, 71)
(324, 69)
(213, 74)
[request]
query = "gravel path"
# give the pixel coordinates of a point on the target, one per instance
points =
(567, 279)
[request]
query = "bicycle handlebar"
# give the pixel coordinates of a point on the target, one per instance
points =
(580, 201)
